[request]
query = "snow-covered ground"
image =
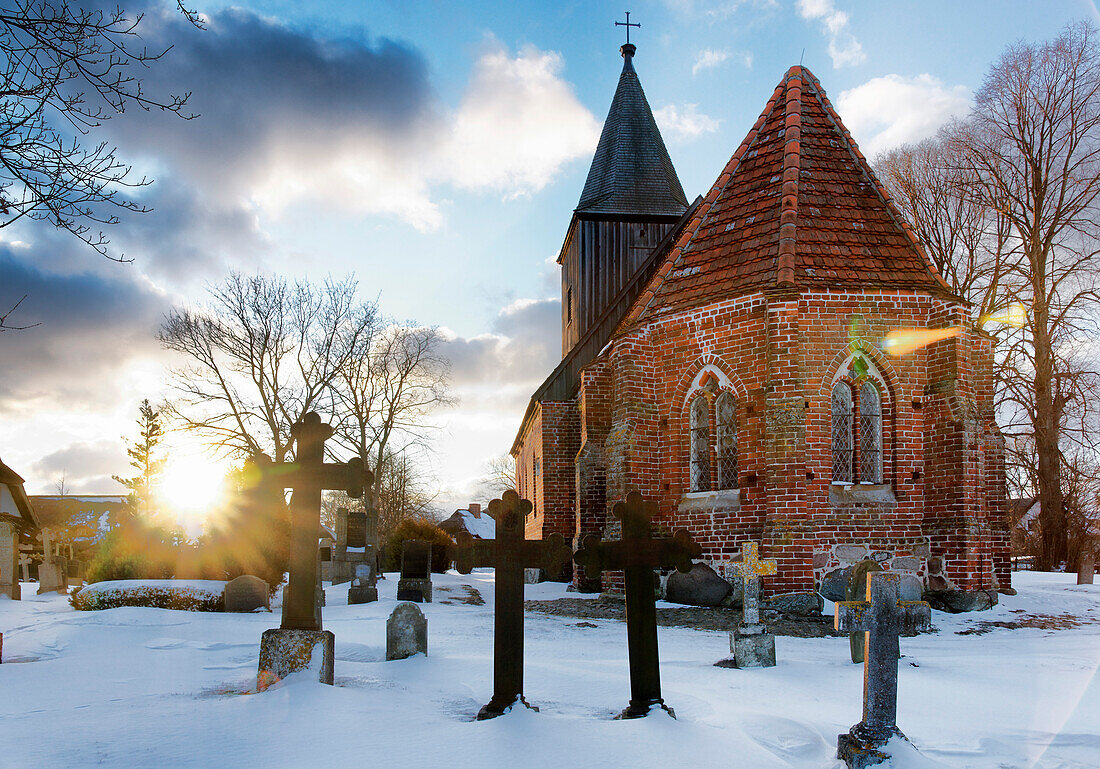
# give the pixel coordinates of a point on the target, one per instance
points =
(135, 687)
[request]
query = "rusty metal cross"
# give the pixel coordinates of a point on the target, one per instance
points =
(638, 553)
(509, 553)
(308, 476)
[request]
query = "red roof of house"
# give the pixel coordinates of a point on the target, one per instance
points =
(796, 206)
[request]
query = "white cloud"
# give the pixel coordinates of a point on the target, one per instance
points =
(891, 110)
(708, 58)
(844, 49)
(684, 122)
(518, 123)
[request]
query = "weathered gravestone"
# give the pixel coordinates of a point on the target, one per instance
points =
(294, 645)
(509, 553)
(416, 572)
(1086, 570)
(246, 593)
(25, 561)
(356, 542)
(857, 588)
(751, 643)
(51, 572)
(363, 585)
(9, 560)
(882, 618)
(638, 553)
(406, 632)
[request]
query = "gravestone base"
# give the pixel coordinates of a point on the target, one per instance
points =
(51, 578)
(417, 590)
(860, 748)
(284, 651)
(753, 647)
(362, 594)
(642, 708)
(498, 707)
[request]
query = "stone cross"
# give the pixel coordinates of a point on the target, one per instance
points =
(25, 561)
(509, 553)
(638, 553)
(308, 476)
(750, 568)
(882, 617)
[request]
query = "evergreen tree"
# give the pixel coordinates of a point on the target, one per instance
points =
(144, 458)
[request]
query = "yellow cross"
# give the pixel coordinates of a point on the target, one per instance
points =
(750, 565)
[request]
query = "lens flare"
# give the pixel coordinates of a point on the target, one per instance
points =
(1013, 315)
(903, 341)
(191, 485)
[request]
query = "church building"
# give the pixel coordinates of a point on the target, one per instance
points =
(730, 358)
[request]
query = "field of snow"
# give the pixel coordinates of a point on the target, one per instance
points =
(136, 687)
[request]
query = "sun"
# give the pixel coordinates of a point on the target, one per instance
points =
(191, 484)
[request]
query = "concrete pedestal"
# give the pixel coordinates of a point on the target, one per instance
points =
(860, 748)
(362, 594)
(283, 652)
(753, 647)
(416, 590)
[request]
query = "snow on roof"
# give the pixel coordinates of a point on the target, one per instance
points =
(483, 526)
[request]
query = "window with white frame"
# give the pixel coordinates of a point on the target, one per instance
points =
(842, 432)
(700, 444)
(726, 449)
(870, 434)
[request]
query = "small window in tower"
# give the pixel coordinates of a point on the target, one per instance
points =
(700, 444)
(569, 305)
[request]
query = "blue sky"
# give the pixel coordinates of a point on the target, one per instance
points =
(437, 150)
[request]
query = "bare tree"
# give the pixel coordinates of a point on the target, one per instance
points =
(67, 69)
(1033, 142)
(966, 238)
(383, 397)
(260, 356)
(500, 475)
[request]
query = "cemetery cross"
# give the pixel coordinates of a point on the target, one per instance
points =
(308, 476)
(509, 553)
(882, 618)
(638, 553)
(751, 569)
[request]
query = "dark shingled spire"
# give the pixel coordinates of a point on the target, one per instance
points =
(631, 172)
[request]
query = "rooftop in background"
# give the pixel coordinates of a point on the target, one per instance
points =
(478, 523)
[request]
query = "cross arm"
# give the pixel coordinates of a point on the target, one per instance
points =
(852, 616)
(471, 553)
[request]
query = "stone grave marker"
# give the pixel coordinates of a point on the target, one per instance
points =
(1086, 570)
(406, 632)
(638, 553)
(51, 572)
(751, 643)
(246, 593)
(9, 560)
(882, 618)
(25, 562)
(510, 554)
(415, 583)
(857, 588)
(364, 587)
(299, 638)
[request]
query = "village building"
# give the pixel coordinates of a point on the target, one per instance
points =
(729, 359)
(18, 522)
(472, 520)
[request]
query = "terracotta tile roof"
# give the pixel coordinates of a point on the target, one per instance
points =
(797, 205)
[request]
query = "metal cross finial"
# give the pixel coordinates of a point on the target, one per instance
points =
(628, 25)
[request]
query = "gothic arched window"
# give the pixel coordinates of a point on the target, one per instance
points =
(700, 444)
(726, 423)
(870, 434)
(842, 433)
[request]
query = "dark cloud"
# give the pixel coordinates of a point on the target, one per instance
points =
(523, 348)
(82, 462)
(264, 90)
(89, 327)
